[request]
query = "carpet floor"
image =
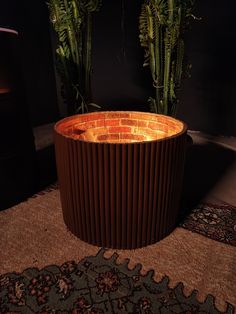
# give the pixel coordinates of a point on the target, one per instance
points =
(97, 285)
(33, 234)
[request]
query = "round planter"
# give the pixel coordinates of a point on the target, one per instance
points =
(120, 176)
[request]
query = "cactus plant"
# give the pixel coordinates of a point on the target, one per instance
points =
(72, 23)
(162, 24)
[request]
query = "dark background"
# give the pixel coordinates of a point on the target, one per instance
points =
(119, 81)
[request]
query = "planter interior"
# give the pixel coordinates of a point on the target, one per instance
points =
(119, 127)
(120, 176)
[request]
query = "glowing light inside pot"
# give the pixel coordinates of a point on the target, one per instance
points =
(119, 127)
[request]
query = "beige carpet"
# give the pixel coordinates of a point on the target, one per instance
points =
(33, 234)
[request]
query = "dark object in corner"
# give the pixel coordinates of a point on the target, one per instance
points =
(17, 151)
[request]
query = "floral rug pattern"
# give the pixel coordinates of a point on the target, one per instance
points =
(96, 285)
(217, 222)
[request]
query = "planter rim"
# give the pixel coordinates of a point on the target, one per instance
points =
(67, 119)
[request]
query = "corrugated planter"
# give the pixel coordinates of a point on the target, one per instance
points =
(120, 176)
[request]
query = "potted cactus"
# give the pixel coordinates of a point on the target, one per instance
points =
(72, 22)
(162, 24)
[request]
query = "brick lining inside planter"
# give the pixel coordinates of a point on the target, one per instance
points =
(119, 127)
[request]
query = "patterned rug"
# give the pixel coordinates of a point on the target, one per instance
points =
(96, 285)
(217, 222)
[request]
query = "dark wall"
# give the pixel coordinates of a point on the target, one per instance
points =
(30, 19)
(119, 80)
(208, 98)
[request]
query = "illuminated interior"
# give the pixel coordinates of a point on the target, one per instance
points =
(119, 127)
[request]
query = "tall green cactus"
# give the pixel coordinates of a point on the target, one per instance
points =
(72, 23)
(161, 25)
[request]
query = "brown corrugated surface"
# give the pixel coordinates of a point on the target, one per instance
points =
(120, 195)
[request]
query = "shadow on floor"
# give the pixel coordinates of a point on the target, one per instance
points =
(46, 167)
(205, 166)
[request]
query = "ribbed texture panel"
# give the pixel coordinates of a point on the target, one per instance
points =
(120, 195)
